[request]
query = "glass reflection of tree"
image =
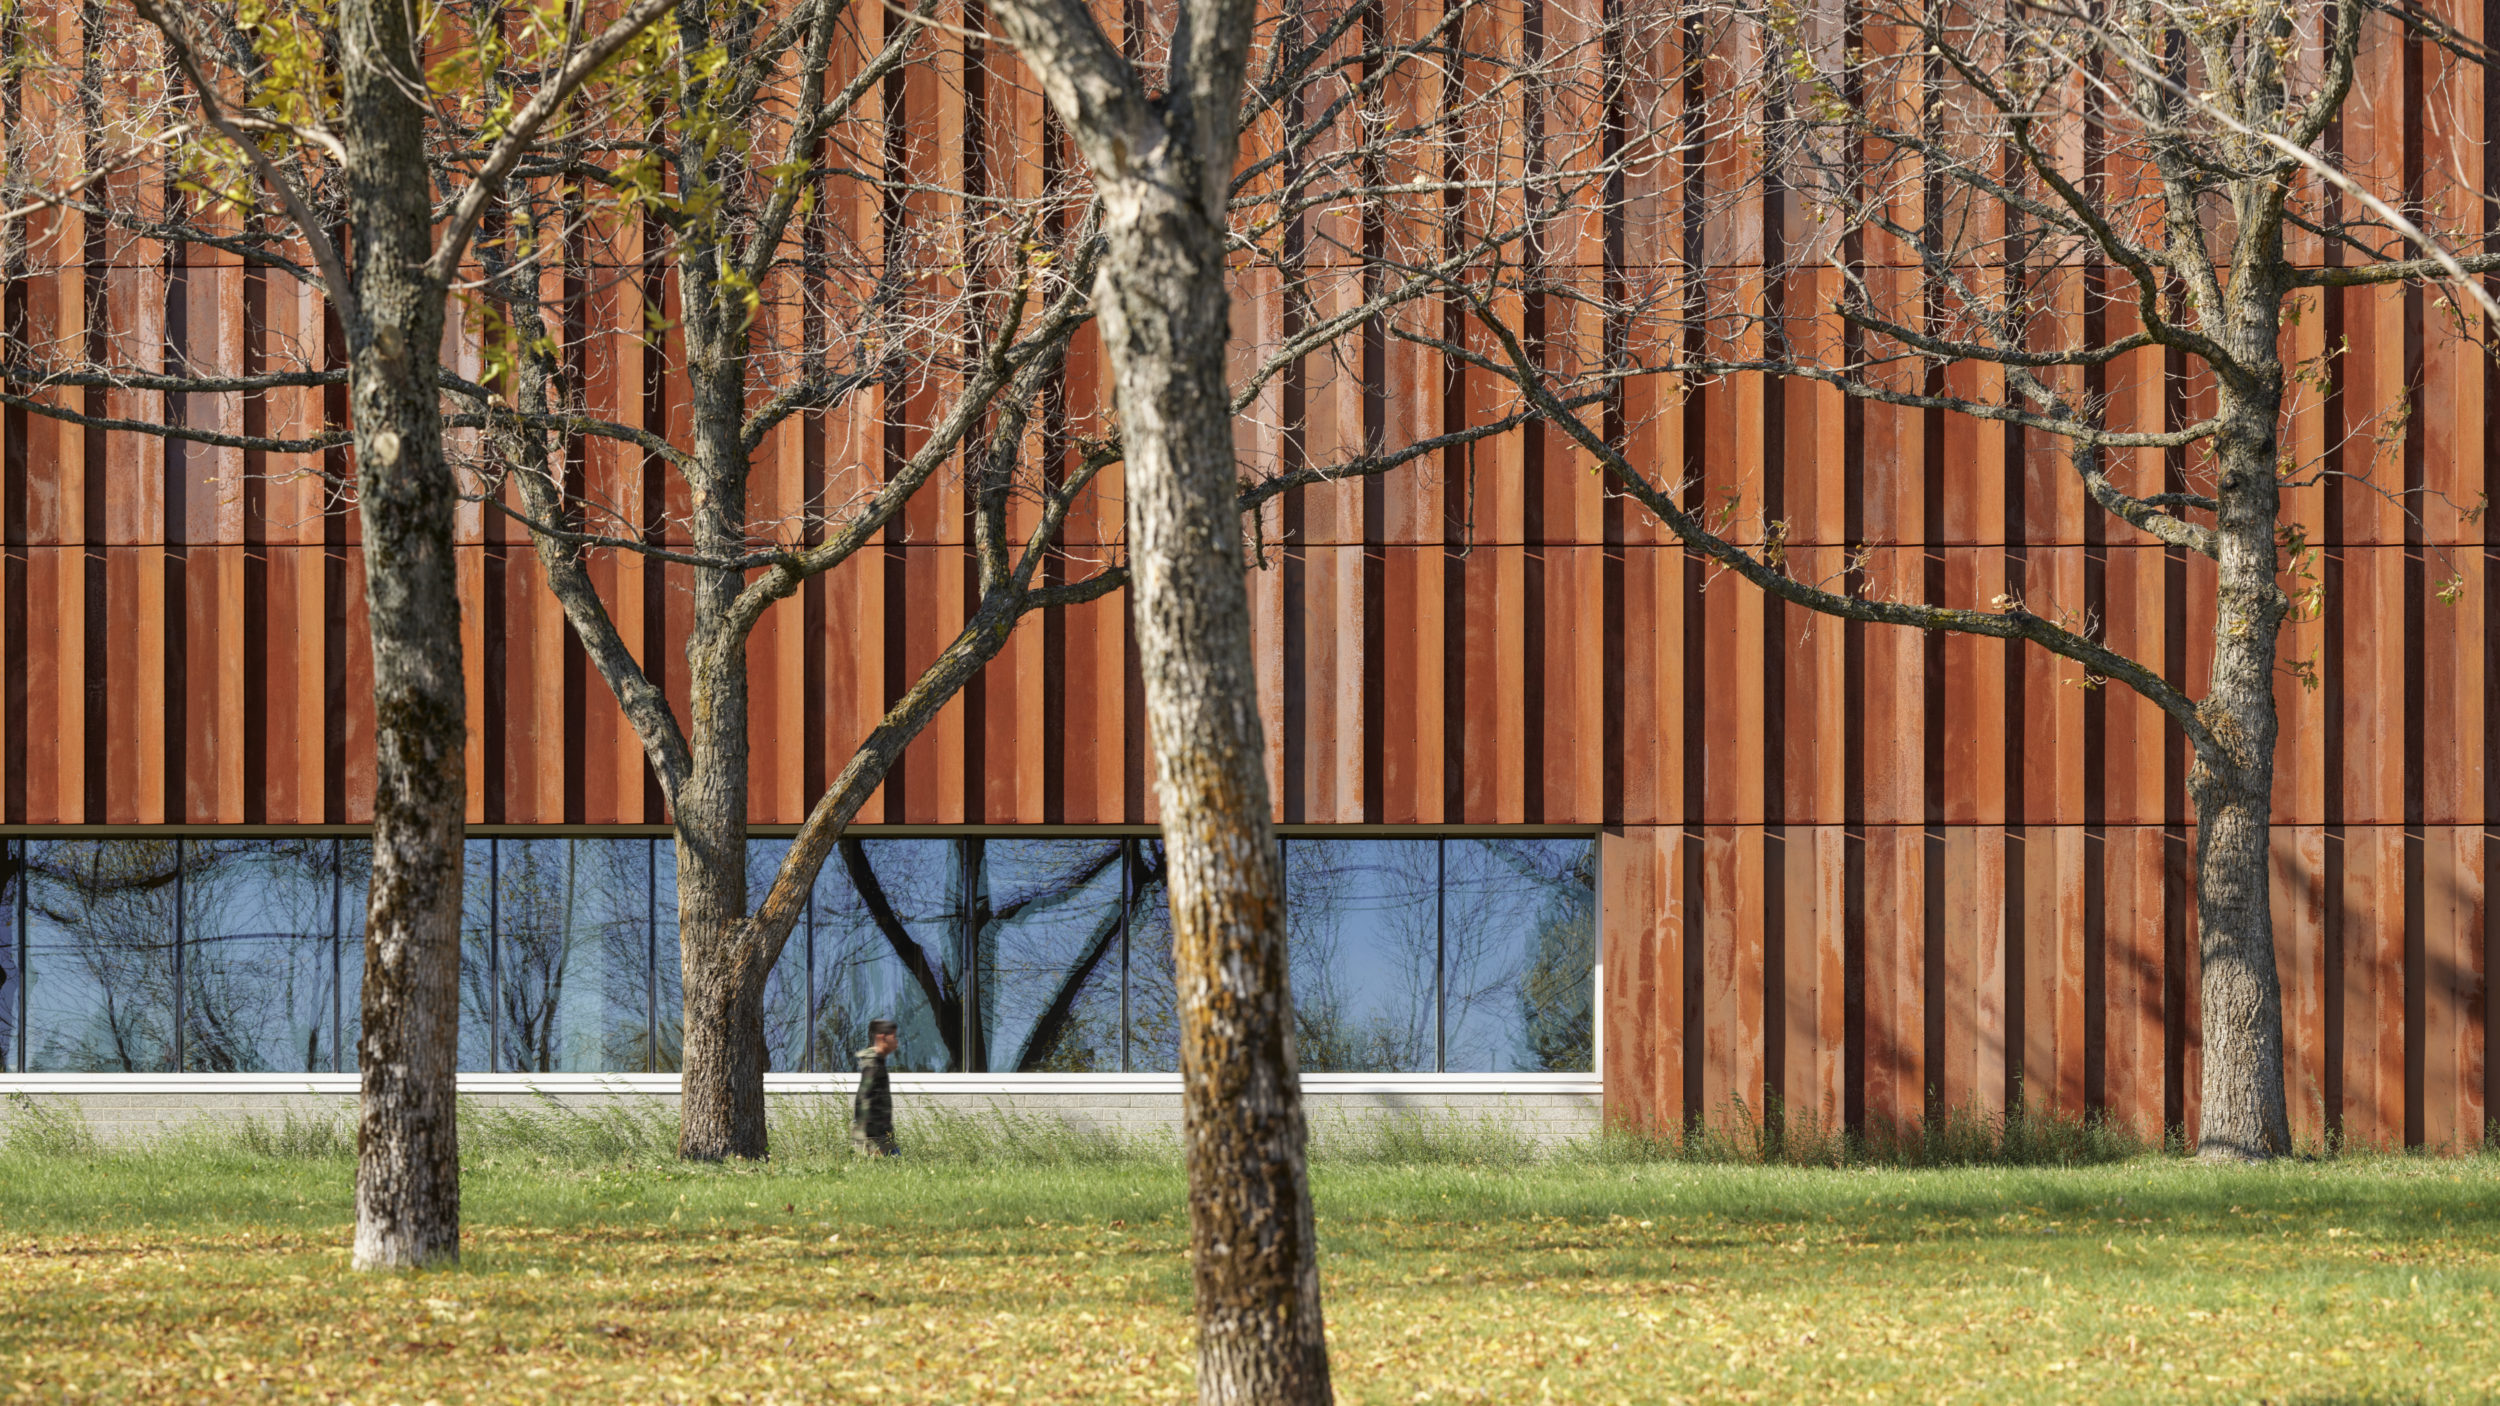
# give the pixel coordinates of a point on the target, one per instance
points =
(1369, 1012)
(1548, 888)
(1060, 1035)
(569, 928)
(257, 968)
(12, 873)
(536, 923)
(105, 909)
(256, 962)
(785, 986)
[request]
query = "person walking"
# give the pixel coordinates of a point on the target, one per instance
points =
(872, 1102)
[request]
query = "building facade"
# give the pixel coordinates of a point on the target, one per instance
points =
(1566, 811)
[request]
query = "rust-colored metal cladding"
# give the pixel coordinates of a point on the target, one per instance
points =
(1852, 872)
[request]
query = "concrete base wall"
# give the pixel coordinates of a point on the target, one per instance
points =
(119, 1109)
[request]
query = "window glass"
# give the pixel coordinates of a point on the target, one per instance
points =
(563, 963)
(571, 955)
(1047, 914)
(12, 982)
(1154, 1008)
(887, 948)
(1520, 955)
(355, 863)
(785, 986)
(477, 954)
(1362, 930)
(668, 973)
(258, 963)
(100, 956)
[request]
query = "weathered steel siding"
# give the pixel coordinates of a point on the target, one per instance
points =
(1863, 872)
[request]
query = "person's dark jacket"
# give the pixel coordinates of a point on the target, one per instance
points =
(872, 1103)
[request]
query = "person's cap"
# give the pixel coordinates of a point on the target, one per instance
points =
(881, 1027)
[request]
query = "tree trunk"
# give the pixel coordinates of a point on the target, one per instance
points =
(721, 1071)
(2243, 1116)
(721, 1079)
(407, 1142)
(1165, 315)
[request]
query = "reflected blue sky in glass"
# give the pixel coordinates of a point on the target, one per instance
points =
(1519, 973)
(257, 967)
(558, 939)
(861, 969)
(1050, 954)
(100, 956)
(1362, 931)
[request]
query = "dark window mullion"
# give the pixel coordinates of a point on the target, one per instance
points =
(494, 955)
(808, 1059)
(651, 958)
(25, 881)
(181, 915)
(338, 970)
(1128, 902)
(1440, 955)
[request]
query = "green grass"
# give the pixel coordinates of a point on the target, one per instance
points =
(1015, 1261)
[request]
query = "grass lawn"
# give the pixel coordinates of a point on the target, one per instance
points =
(199, 1275)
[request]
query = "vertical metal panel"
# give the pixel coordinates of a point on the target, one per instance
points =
(1642, 871)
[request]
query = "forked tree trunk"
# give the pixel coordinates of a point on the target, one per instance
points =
(1165, 315)
(407, 1138)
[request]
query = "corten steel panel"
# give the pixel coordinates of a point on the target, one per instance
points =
(2455, 721)
(2454, 971)
(1812, 1024)
(1973, 981)
(1814, 657)
(2134, 978)
(2054, 987)
(134, 677)
(1569, 776)
(2369, 912)
(1973, 735)
(1651, 683)
(1412, 636)
(2051, 738)
(1814, 450)
(1732, 929)
(1444, 645)
(2378, 402)
(1895, 1055)
(1733, 725)
(1648, 991)
(1324, 716)
(1266, 586)
(2374, 730)
(2301, 717)
(2298, 894)
(1894, 762)
(1970, 510)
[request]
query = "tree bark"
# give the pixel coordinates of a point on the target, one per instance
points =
(1162, 164)
(721, 1066)
(2243, 1114)
(1165, 317)
(408, 1150)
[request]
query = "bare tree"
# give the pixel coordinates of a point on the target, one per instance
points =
(2060, 186)
(955, 331)
(1162, 157)
(326, 120)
